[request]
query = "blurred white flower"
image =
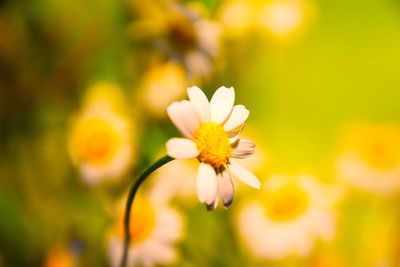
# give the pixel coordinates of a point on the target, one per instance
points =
(100, 143)
(371, 158)
(279, 19)
(155, 228)
(177, 172)
(291, 214)
(162, 84)
(181, 32)
(237, 16)
(212, 131)
(284, 18)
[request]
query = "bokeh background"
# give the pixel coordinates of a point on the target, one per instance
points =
(84, 90)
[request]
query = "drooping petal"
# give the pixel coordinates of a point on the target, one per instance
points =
(238, 116)
(225, 188)
(206, 183)
(214, 204)
(244, 175)
(184, 116)
(182, 148)
(243, 149)
(221, 104)
(200, 102)
(234, 135)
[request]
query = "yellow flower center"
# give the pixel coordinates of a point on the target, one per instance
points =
(142, 221)
(379, 146)
(59, 257)
(213, 144)
(182, 34)
(286, 203)
(95, 141)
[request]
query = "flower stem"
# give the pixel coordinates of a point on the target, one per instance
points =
(132, 192)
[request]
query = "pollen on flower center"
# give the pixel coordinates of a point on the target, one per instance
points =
(213, 144)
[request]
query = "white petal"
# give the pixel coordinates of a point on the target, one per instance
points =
(184, 116)
(160, 252)
(214, 204)
(221, 104)
(234, 136)
(244, 175)
(182, 148)
(200, 102)
(238, 116)
(206, 183)
(244, 149)
(225, 188)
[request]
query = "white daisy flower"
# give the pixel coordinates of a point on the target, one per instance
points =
(371, 159)
(212, 132)
(291, 214)
(162, 84)
(100, 143)
(155, 228)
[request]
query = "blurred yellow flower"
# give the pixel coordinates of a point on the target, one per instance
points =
(324, 259)
(100, 141)
(237, 16)
(59, 256)
(279, 19)
(155, 227)
(162, 84)
(105, 94)
(285, 18)
(371, 158)
(291, 213)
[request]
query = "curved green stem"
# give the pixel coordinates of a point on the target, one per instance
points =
(129, 202)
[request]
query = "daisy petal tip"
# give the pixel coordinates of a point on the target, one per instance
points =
(221, 104)
(171, 106)
(227, 204)
(210, 207)
(193, 89)
(225, 88)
